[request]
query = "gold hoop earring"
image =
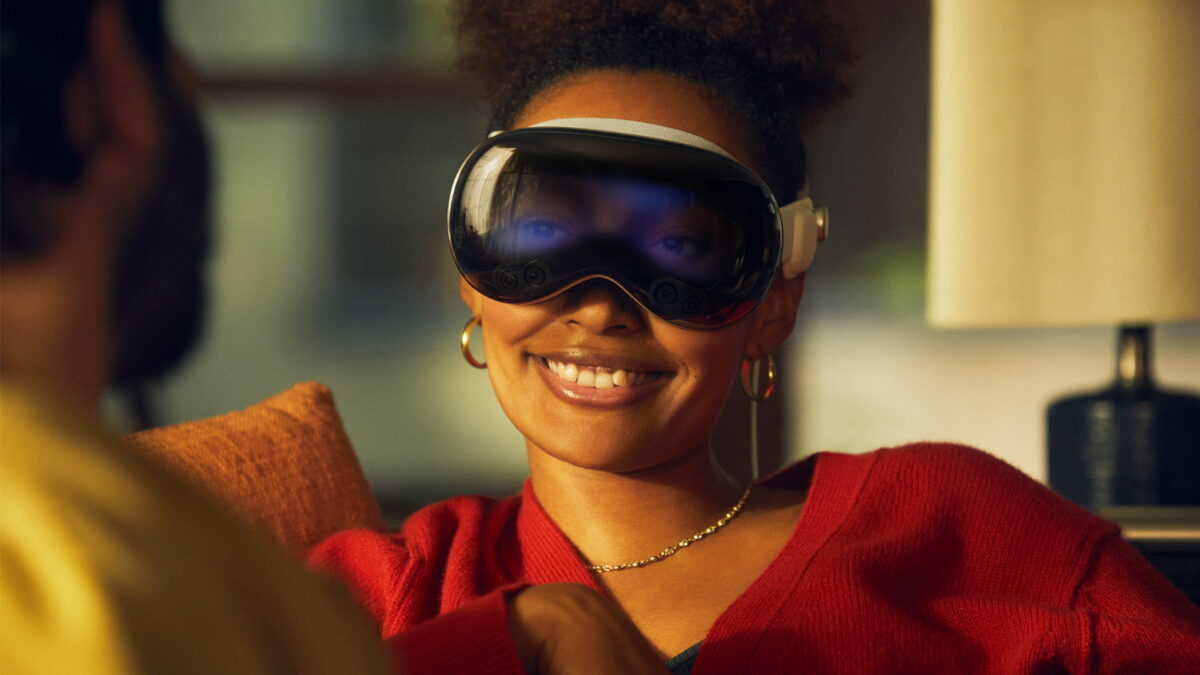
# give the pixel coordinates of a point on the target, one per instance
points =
(466, 343)
(748, 387)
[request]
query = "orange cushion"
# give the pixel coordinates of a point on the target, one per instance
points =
(284, 464)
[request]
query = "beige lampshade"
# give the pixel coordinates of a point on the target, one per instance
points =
(1065, 155)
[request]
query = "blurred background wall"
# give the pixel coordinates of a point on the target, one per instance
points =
(337, 126)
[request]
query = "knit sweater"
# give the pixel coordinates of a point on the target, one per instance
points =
(922, 558)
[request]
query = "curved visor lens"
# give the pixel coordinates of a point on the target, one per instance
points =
(689, 234)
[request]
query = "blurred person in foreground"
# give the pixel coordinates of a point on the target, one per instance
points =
(108, 564)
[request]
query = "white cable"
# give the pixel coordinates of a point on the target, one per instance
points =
(754, 422)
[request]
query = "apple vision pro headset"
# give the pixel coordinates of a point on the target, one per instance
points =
(676, 222)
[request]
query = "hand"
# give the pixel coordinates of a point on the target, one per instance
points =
(569, 628)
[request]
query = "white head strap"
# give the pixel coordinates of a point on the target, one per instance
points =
(642, 129)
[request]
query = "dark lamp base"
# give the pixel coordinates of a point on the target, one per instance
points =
(1130, 444)
(1120, 448)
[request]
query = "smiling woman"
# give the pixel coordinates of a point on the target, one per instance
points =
(633, 235)
(611, 323)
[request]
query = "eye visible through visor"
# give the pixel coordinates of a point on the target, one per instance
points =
(689, 233)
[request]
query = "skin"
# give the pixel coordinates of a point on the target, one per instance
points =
(56, 322)
(596, 470)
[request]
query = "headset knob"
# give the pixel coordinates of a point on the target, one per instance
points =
(821, 215)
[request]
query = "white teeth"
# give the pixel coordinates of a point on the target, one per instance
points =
(602, 379)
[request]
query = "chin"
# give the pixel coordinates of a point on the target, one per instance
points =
(610, 456)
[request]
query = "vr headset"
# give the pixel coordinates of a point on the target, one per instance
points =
(677, 223)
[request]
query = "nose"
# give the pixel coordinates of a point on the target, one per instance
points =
(601, 307)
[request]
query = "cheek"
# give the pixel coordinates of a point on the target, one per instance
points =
(722, 344)
(710, 359)
(505, 324)
(709, 362)
(505, 331)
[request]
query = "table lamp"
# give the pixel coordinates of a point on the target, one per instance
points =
(1065, 190)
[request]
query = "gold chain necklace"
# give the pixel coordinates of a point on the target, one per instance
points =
(674, 548)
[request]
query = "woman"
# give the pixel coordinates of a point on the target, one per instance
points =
(625, 262)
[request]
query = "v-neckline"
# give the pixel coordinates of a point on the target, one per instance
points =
(833, 481)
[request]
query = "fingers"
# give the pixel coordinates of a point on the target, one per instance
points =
(569, 628)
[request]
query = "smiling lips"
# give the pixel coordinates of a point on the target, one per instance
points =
(598, 376)
(593, 385)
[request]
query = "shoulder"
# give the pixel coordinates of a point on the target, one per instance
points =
(451, 549)
(69, 474)
(925, 475)
(952, 466)
(149, 563)
(44, 536)
(949, 473)
(432, 531)
(459, 514)
(940, 476)
(970, 486)
(1005, 532)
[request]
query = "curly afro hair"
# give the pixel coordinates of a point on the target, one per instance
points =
(779, 64)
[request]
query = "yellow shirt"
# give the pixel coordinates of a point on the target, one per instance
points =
(110, 565)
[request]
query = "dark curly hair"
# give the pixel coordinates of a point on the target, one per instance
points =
(41, 43)
(779, 64)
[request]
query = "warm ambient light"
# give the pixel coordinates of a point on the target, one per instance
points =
(1065, 163)
(1065, 190)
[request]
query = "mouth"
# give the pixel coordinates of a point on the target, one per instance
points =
(599, 377)
(598, 381)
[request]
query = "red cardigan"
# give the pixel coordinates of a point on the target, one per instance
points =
(923, 558)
